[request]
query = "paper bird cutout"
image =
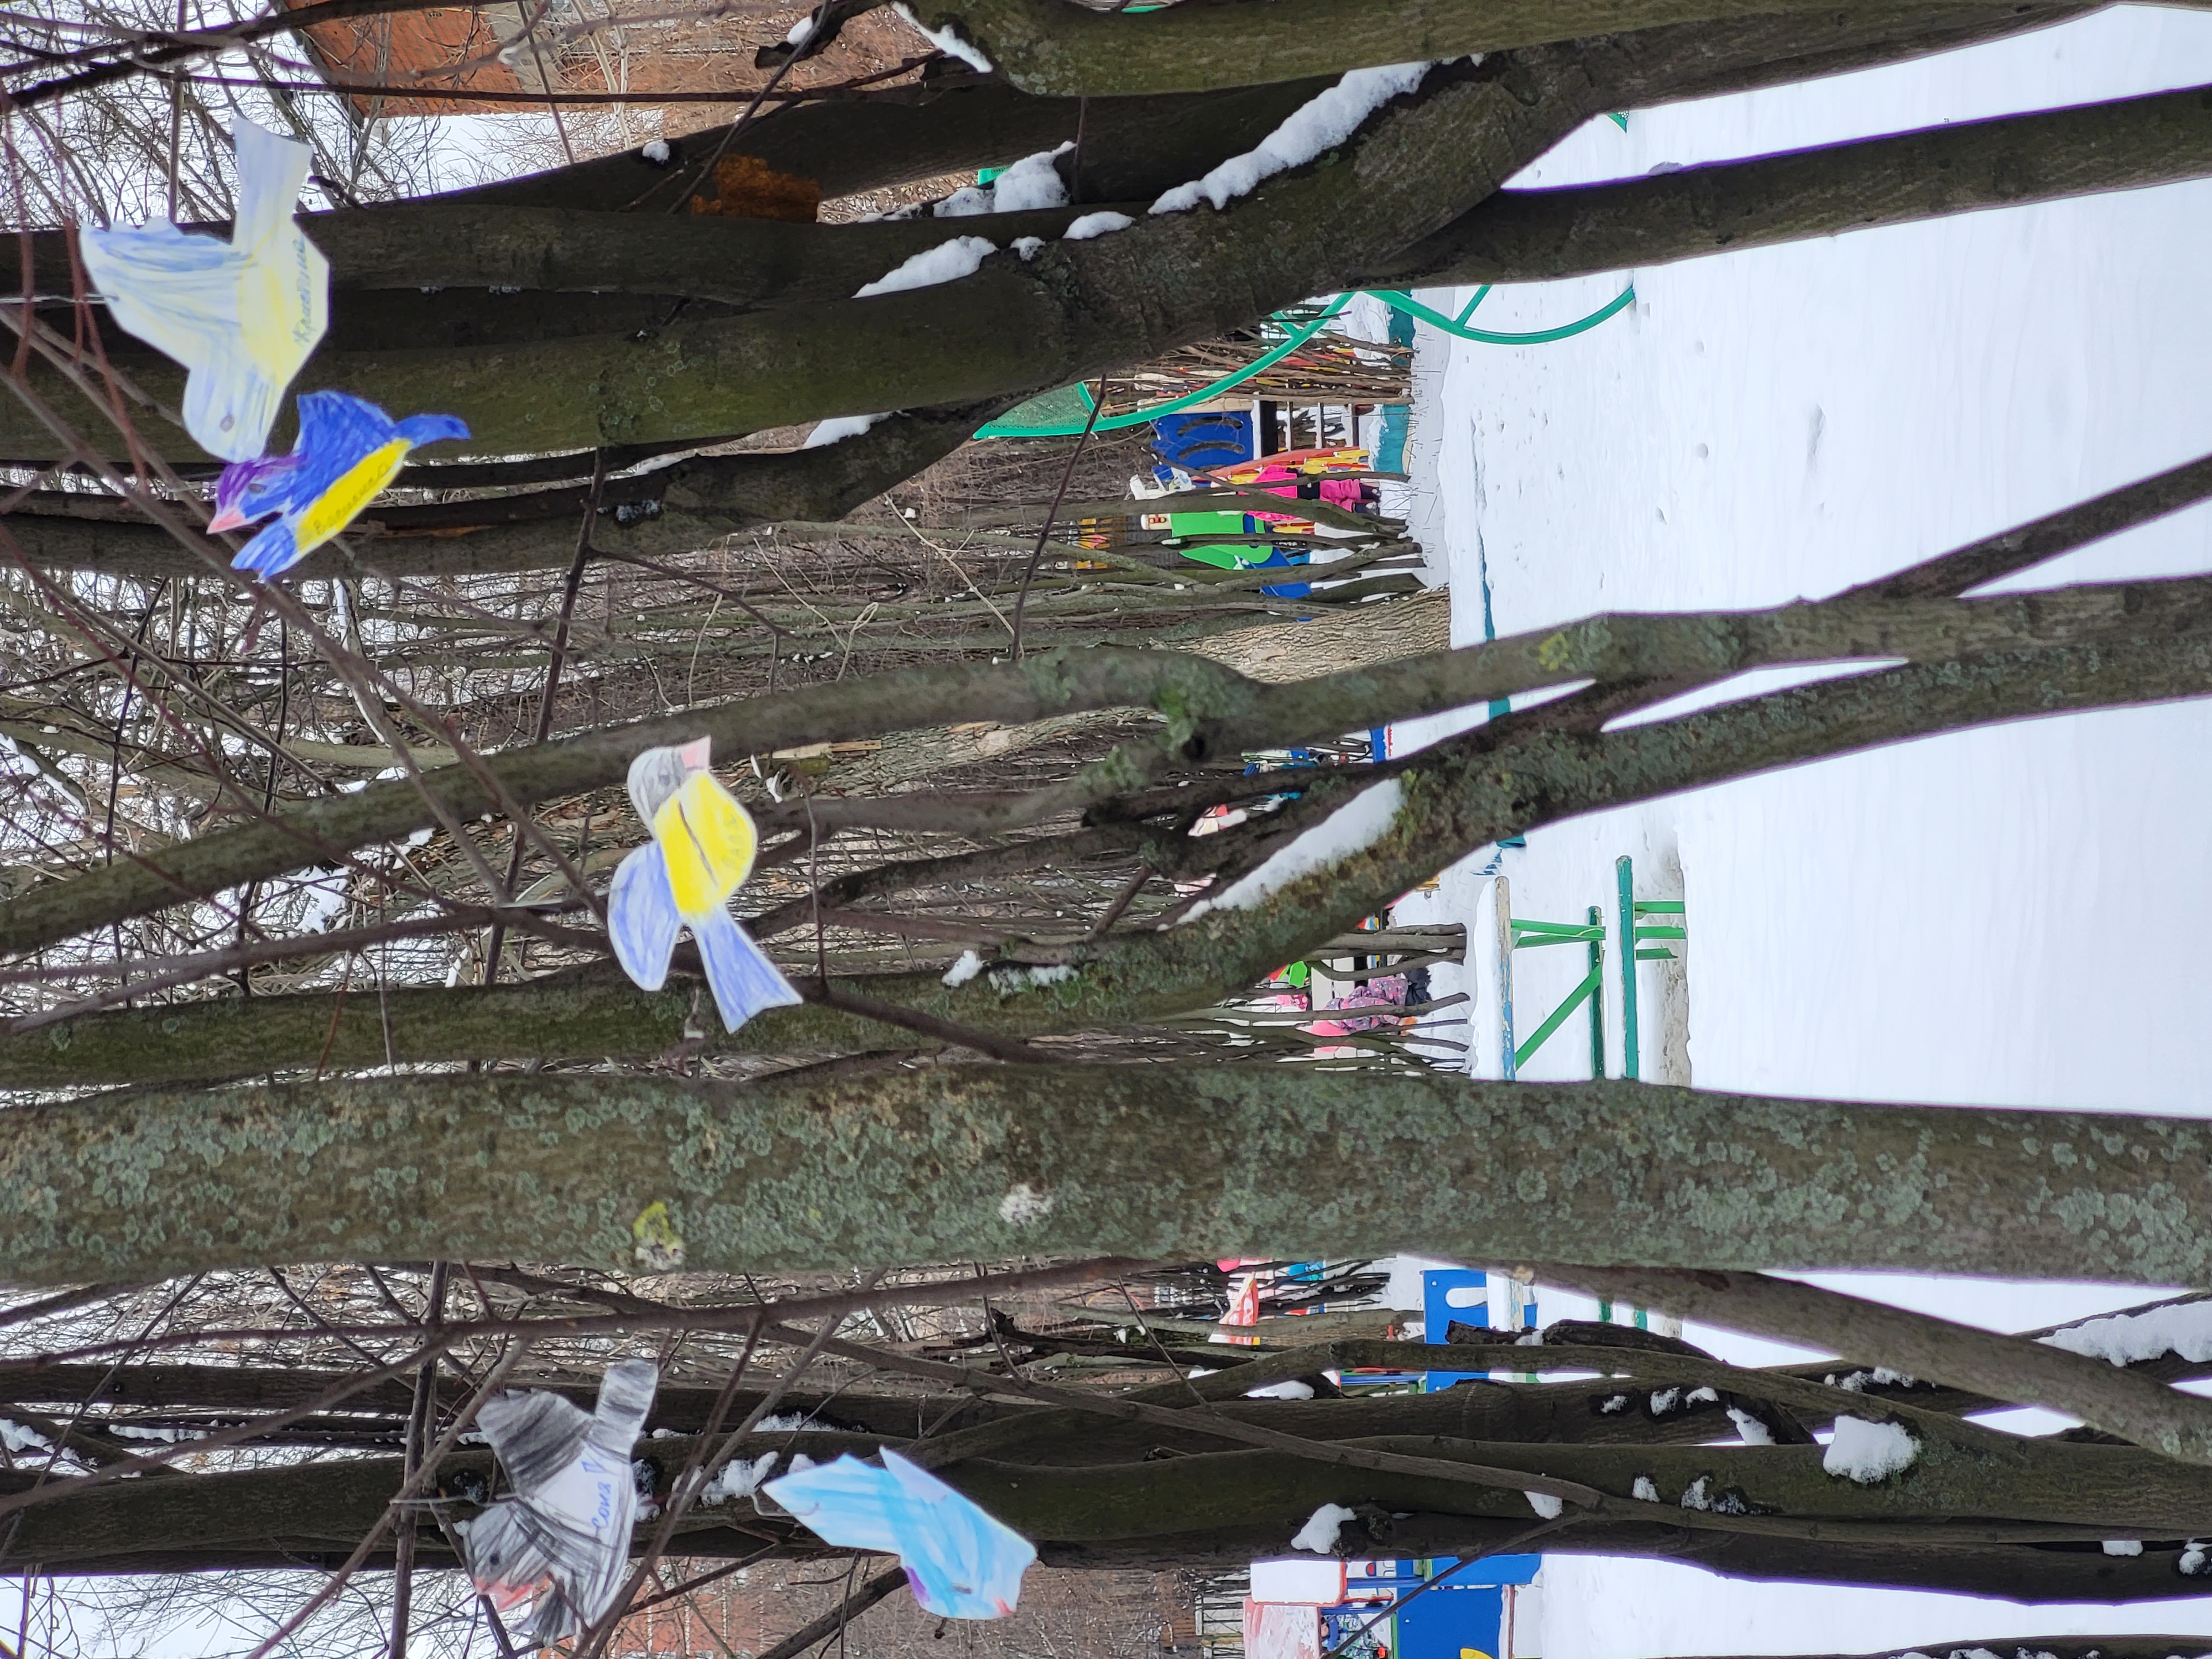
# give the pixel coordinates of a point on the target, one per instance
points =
(563, 1534)
(348, 451)
(700, 853)
(241, 316)
(246, 490)
(961, 1563)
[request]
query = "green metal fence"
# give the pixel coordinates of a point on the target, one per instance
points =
(1649, 929)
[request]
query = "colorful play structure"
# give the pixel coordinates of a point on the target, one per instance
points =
(1306, 1607)
(1647, 931)
(1069, 410)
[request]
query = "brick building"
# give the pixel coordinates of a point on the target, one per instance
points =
(1063, 1615)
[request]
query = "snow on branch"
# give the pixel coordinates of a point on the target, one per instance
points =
(1318, 125)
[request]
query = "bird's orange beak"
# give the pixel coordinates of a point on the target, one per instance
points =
(229, 519)
(698, 755)
(504, 1596)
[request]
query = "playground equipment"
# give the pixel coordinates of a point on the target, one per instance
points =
(1641, 939)
(1067, 412)
(1518, 933)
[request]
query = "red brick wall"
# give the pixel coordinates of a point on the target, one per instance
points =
(1063, 1615)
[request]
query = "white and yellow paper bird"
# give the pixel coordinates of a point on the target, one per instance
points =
(241, 316)
(700, 853)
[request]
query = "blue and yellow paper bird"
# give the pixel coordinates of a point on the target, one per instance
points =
(241, 316)
(348, 451)
(700, 853)
(963, 1562)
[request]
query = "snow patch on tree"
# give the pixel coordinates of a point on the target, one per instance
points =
(1031, 183)
(1006, 982)
(948, 262)
(1321, 1527)
(739, 1478)
(1749, 1429)
(945, 40)
(1869, 1452)
(1319, 124)
(2184, 1330)
(1092, 225)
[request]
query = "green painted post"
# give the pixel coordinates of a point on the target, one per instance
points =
(1597, 992)
(1631, 1057)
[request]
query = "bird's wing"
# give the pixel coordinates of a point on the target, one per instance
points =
(338, 505)
(179, 294)
(641, 917)
(270, 552)
(744, 981)
(175, 292)
(965, 1562)
(337, 428)
(231, 397)
(708, 840)
(625, 1396)
(270, 171)
(536, 1435)
(845, 1502)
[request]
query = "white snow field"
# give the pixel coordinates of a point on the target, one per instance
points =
(2007, 917)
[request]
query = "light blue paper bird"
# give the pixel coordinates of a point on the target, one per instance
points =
(961, 1563)
(348, 451)
(700, 853)
(241, 316)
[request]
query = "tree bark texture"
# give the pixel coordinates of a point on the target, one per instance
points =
(982, 1163)
(1214, 1505)
(1523, 236)
(670, 511)
(1053, 49)
(1077, 311)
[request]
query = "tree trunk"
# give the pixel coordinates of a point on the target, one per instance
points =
(982, 1163)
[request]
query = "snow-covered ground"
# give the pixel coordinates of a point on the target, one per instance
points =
(2009, 917)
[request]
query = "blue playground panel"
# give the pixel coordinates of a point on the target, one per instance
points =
(1461, 1618)
(1215, 438)
(1437, 1285)
(1451, 1622)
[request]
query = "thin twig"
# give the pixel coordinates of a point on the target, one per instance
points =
(1044, 530)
